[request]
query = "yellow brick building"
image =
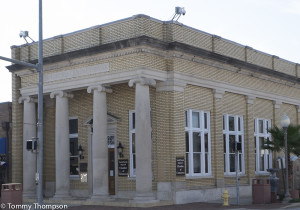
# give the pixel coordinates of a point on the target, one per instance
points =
(176, 98)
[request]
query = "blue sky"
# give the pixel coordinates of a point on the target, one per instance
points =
(271, 26)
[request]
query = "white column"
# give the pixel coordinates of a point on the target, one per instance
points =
(62, 144)
(143, 141)
(99, 143)
(29, 156)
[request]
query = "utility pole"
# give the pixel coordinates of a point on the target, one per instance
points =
(39, 68)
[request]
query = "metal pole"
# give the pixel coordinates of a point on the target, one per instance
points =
(237, 174)
(287, 197)
(40, 111)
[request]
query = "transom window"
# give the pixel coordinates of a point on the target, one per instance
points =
(73, 137)
(197, 142)
(233, 131)
(263, 157)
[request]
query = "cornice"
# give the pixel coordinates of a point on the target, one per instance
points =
(135, 44)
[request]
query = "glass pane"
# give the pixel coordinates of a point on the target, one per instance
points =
(206, 142)
(261, 162)
(223, 122)
(186, 119)
(261, 145)
(110, 140)
(224, 162)
(196, 120)
(205, 120)
(187, 142)
(197, 161)
(196, 142)
(206, 162)
(239, 124)
(73, 126)
(231, 143)
(232, 162)
(134, 163)
(74, 166)
(133, 143)
(224, 142)
(73, 146)
(240, 162)
(260, 126)
(133, 120)
(231, 123)
(187, 162)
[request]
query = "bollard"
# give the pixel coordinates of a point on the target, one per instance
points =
(226, 197)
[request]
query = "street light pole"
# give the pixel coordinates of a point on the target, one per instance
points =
(40, 111)
(39, 68)
(285, 122)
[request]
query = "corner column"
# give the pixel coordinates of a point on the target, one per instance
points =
(99, 143)
(143, 141)
(217, 117)
(62, 144)
(29, 156)
(249, 140)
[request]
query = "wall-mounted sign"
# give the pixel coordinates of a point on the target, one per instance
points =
(180, 169)
(123, 167)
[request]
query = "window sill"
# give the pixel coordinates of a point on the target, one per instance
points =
(262, 173)
(199, 177)
(234, 175)
(74, 177)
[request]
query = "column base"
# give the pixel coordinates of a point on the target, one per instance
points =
(60, 196)
(29, 195)
(101, 198)
(144, 198)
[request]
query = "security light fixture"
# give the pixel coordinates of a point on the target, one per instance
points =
(24, 34)
(178, 12)
(80, 152)
(120, 150)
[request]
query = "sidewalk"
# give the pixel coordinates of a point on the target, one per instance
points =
(245, 203)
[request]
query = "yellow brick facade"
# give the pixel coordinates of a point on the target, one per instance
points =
(205, 84)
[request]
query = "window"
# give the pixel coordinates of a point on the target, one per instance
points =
(73, 136)
(233, 131)
(132, 143)
(197, 143)
(263, 157)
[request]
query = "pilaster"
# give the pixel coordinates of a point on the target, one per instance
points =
(249, 137)
(217, 142)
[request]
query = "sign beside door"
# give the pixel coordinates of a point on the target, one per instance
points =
(123, 167)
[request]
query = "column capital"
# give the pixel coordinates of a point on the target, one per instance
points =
(250, 99)
(61, 94)
(277, 104)
(218, 93)
(99, 88)
(27, 99)
(142, 81)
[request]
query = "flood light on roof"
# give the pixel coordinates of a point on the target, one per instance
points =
(178, 12)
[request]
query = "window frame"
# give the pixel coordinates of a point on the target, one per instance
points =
(202, 130)
(236, 132)
(257, 135)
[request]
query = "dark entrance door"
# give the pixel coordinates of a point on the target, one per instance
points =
(111, 171)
